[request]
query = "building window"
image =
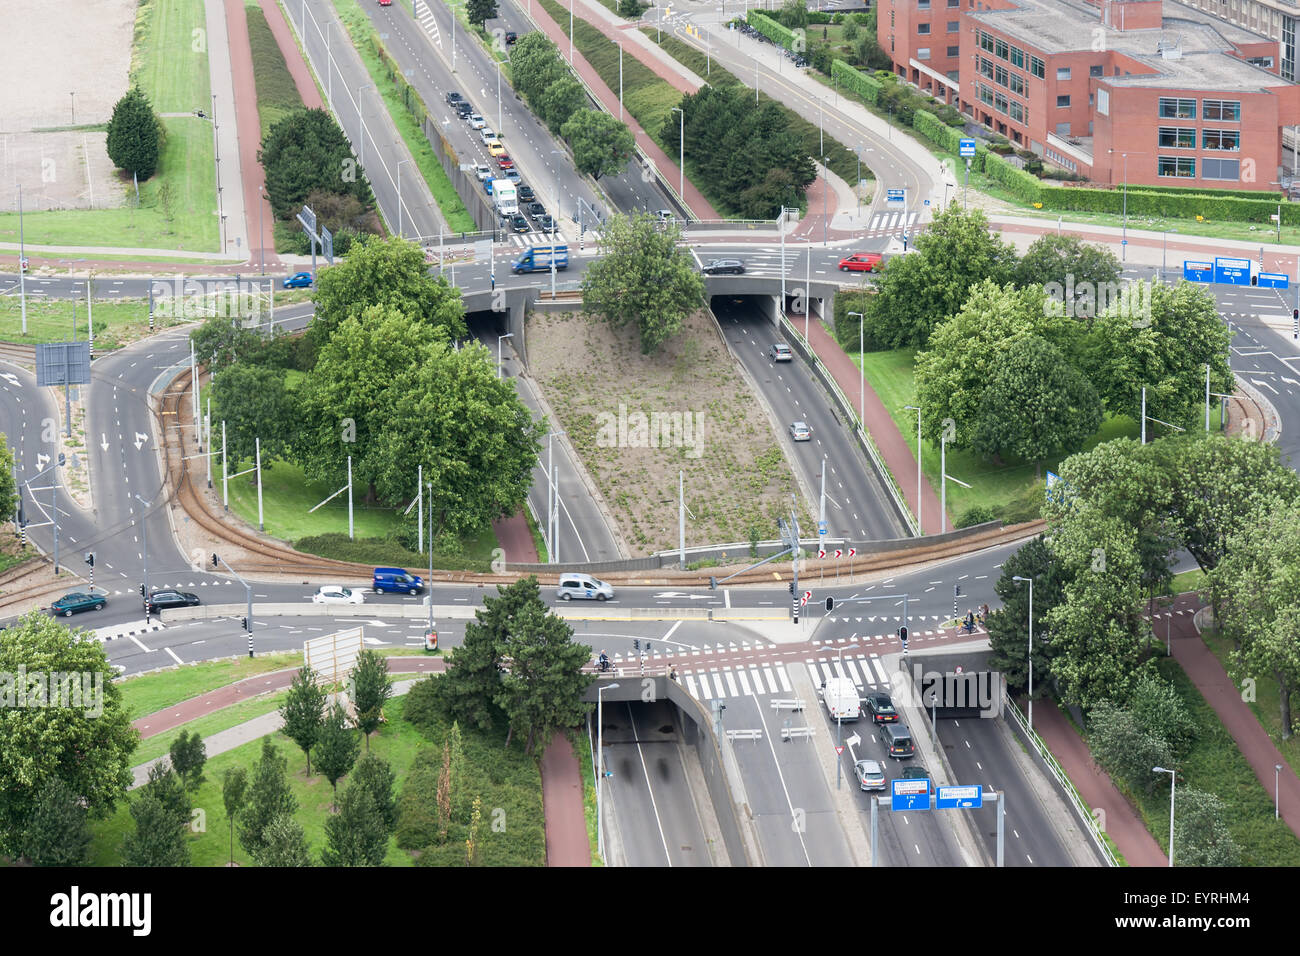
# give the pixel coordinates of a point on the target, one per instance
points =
(1095, 70)
(1037, 67)
(1000, 75)
(985, 67)
(923, 4)
(1062, 102)
(923, 53)
(1265, 61)
(1221, 139)
(1180, 166)
(954, 26)
(1220, 169)
(1178, 137)
(953, 4)
(1000, 102)
(986, 42)
(1017, 112)
(1171, 108)
(1017, 83)
(954, 51)
(1000, 48)
(1062, 72)
(1229, 110)
(1103, 102)
(1017, 57)
(923, 28)
(985, 94)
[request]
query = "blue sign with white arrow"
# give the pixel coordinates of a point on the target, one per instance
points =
(959, 798)
(966, 148)
(896, 195)
(1231, 271)
(1198, 271)
(1273, 280)
(909, 794)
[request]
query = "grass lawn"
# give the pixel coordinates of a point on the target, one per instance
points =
(150, 693)
(165, 62)
(277, 95)
(159, 744)
(50, 320)
(449, 203)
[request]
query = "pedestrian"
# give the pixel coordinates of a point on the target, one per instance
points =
(970, 621)
(984, 616)
(672, 672)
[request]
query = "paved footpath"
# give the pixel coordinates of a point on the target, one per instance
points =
(567, 843)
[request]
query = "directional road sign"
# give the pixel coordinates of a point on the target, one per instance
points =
(957, 798)
(1273, 280)
(909, 794)
(966, 148)
(1195, 271)
(897, 196)
(1231, 271)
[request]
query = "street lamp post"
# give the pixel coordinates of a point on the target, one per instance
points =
(22, 262)
(261, 238)
(144, 535)
(1173, 784)
(500, 339)
(857, 183)
(839, 716)
(862, 374)
(600, 769)
(1277, 788)
(681, 153)
(1031, 648)
(1124, 243)
(826, 188)
(361, 122)
(500, 128)
(917, 408)
(570, 32)
(1164, 255)
(399, 195)
(620, 82)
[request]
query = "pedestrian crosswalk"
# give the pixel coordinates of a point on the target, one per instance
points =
(749, 680)
(527, 240)
(424, 13)
(891, 223)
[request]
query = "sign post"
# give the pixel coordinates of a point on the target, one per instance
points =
(966, 149)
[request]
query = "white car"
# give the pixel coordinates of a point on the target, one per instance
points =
(476, 121)
(334, 594)
(483, 172)
(799, 431)
(487, 134)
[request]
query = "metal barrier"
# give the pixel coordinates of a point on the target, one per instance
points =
(790, 703)
(1085, 815)
(744, 735)
(803, 733)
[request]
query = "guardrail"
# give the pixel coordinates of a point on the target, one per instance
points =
(1053, 765)
(744, 735)
(790, 733)
(791, 703)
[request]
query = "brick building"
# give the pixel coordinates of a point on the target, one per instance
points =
(1142, 91)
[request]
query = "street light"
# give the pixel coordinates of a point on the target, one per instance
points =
(826, 176)
(600, 768)
(361, 122)
(1124, 243)
(917, 408)
(1277, 784)
(144, 534)
(620, 82)
(857, 183)
(500, 128)
(1031, 647)
(399, 195)
(500, 339)
(839, 716)
(862, 373)
(1164, 255)
(261, 238)
(1173, 784)
(681, 153)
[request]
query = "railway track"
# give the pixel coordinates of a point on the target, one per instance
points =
(273, 556)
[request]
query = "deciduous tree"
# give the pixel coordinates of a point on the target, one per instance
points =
(234, 791)
(286, 844)
(371, 687)
(356, 835)
(269, 796)
(304, 152)
(188, 755)
(1201, 834)
(303, 711)
(158, 838)
(336, 748)
(57, 831)
(601, 144)
(375, 774)
(1080, 275)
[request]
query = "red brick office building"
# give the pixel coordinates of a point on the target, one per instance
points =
(1142, 91)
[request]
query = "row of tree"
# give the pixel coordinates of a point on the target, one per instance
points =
(601, 144)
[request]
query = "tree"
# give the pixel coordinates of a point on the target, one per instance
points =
(134, 140)
(966, 350)
(601, 144)
(188, 755)
(303, 711)
(169, 790)
(481, 11)
(1201, 834)
(642, 278)
(255, 405)
(375, 774)
(1036, 404)
(234, 789)
(1160, 337)
(1124, 748)
(630, 9)
(921, 289)
(371, 688)
(87, 742)
(1008, 626)
(222, 341)
(286, 844)
(561, 100)
(1255, 590)
(542, 690)
(158, 838)
(1159, 711)
(57, 832)
(336, 748)
(305, 152)
(417, 811)
(794, 14)
(1080, 275)
(268, 797)
(356, 835)
(390, 273)
(8, 486)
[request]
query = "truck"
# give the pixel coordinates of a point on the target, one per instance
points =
(505, 196)
(841, 698)
(539, 258)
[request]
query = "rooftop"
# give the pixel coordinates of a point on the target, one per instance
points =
(1200, 43)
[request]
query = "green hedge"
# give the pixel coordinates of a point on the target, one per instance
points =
(778, 34)
(1164, 205)
(855, 81)
(1201, 190)
(1026, 186)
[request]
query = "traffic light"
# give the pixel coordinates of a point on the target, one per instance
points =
(636, 645)
(792, 587)
(713, 583)
(142, 590)
(244, 622)
(830, 604)
(902, 635)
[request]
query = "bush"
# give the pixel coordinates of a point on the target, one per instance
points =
(1026, 506)
(976, 514)
(382, 551)
(1024, 185)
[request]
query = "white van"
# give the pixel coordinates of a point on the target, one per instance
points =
(584, 587)
(841, 698)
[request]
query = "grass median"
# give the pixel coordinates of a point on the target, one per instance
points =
(277, 94)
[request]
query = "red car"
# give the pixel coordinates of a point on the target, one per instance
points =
(861, 262)
(505, 162)
(385, 3)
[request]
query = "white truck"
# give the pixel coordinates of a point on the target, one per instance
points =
(506, 197)
(841, 699)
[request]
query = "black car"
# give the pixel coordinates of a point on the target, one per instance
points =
(511, 37)
(545, 223)
(536, 209)
(519, 223)
(915, 773)
(463, 108)
(882, 708)
(718, 267)
(453, 98)
(166, 599)
(525, 193)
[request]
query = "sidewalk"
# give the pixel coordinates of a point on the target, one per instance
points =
(567, 843)
(231, 90)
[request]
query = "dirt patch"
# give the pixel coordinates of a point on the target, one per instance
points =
(636, 420)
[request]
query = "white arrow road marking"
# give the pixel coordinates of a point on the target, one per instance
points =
(12, 379)
(41, 460)
(1265, 385)
(379, 623)
(140, 440)
(1290, 381)
(103, 441)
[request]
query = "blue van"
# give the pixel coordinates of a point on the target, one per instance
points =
(395, 579)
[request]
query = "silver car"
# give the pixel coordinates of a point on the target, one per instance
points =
(871, 776)
(780, 352)
(799, 431)
(583, 587)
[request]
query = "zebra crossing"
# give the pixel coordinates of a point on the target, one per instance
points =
(889, 223)
(749, 680)
(526, 240)
(424, 13)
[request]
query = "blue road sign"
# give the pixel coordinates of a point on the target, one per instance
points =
(927, 202)
(909, 795)
(958, 798)
(1273, 280)
(1198, 271)
(1231, 271)
(966, 148)
(895, 195)
(821, 527)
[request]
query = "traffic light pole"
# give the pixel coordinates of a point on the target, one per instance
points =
(248, 593)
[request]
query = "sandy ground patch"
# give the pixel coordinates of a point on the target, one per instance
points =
(699, 416)
(52, 51)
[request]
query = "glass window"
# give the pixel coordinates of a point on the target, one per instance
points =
(1095, 70)
(1181, 166)
(923, 28)
(1178, 137)
(954, 51)
(986, 42)
(923, 53)
(1172, 108)
(1062, 72)
(986, 67)
(1000, 75)
(923, 4)
(1017, 111)
(1062, 102)
(1000, 102)
(1103, 102)
(953, 4)
(1017, 57)
(986, 94)
(954, 26)
(1000, 48)
(1229, 110)
(1220, 169)
(1017, 84)
(1037, 67)
(1220, 139)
